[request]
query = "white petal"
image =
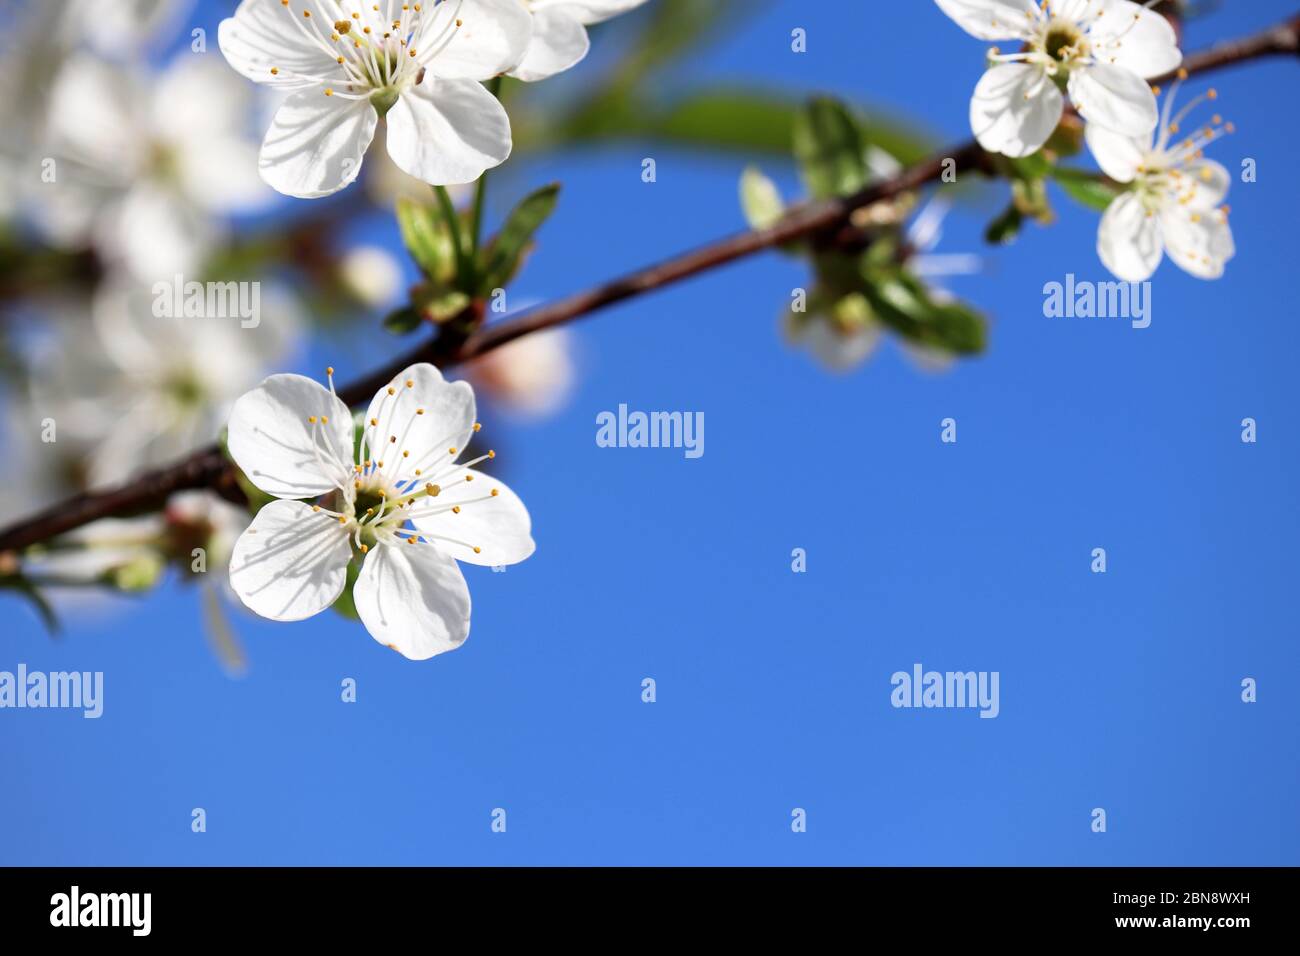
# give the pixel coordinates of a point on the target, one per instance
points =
(1119, 156)
(414, 599)
(261, 36)
(533, 376)
(1205, 183)
(447, 132)
(221, 175)
(1200, 242)
(291, 562)
(1015, 109)
(316, 143)
(991, 19)
(97, 117)
(157, 233)
(491, 38)
(559, 42)
(270, 438)
(1128, 239)
(1115, 98)
(1136, 39)
(427, 418)
(588, 11)
(215, 158)
(498, 525)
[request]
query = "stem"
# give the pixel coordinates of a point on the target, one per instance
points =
(208, 468)
(457, 236)
(480, 193)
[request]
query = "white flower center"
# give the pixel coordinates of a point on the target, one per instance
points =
(1171, 173)
(374, 46)
(379, 496)
(1058, 45)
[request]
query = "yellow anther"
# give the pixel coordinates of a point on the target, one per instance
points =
(410, 384)
(324, 419)
(1182, 73)
(391, 390)
(374, 421)
(311, 420)
(455, 509)
(328, 91)
(469, 477)
(275, 71)
(364, 548)
(342, 26)
(315, 507)
(406, 454)
(477, 426)
(419, 411)
(491, 453)
(451, 451)
(433, 490)
(478, 550)
(494, 492)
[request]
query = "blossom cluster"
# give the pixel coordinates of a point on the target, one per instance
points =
(1103, 54)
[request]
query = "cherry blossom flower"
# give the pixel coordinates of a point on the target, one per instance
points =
(560, 38)
(1099, 51)
(136, 390)
(1175, 200)
(532, 377)
(347, 64)
(146, 165)
(392, 495)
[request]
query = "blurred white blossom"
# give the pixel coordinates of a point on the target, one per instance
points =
(139, 390)
(145, 166)
(532, 376)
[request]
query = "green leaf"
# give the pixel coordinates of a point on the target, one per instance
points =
(444, 306)
(1095, 192)
(1006, 227)
(502, 258)
(760, 199)
(24, 588)
(829, 148)
(403, 321)
(427, 239)
(902, 302)
(959, 329)
(743, 121)
(1029, 168)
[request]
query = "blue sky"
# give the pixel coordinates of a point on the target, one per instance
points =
(1119, 691)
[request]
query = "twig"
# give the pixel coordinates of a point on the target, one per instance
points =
(208, 468)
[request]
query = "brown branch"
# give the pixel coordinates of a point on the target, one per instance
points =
(208, 468)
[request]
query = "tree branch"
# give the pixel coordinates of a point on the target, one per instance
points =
(208, 468)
